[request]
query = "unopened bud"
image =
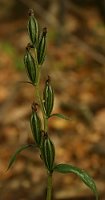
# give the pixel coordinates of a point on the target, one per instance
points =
(30, 67)
(36, 126)
(48, 152)
(42, 47)
(33, 29)
(48, 97)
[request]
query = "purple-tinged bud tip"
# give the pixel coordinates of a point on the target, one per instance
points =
(29, 46)
(31, 12)
(34, 107)
(48, 79)
(44, 31)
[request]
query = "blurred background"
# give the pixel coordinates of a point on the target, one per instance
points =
(76, 63)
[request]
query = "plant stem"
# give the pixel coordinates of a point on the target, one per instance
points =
(40, 101)
(45, 127)
(49, 186)
(45, 120)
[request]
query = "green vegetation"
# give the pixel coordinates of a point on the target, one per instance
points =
(44, 100)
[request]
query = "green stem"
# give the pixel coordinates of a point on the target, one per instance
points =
(45, 127)
(45, 120)
(40, 102)
(45, 124)
(49, 186)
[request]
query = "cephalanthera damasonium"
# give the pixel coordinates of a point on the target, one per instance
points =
(33, 59)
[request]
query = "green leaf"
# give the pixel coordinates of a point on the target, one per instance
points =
(65, 168)
(60, 116)
(13, 158)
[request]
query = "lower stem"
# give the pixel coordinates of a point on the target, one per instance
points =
(49, 186)
(45, 127)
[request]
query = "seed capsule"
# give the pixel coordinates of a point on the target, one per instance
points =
(33, 28)
(48, 97)
(30, 66)
(36, 127)
(42, 47)
(48, 152)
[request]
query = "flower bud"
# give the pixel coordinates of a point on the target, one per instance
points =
(48, 97)
(33, 28)
(48, 153)
(30, 66)
(41, 51)
(36, 125)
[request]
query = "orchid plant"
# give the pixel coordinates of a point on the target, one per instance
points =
(33, 59)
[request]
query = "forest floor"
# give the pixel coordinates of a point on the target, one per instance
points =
(77, 71)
